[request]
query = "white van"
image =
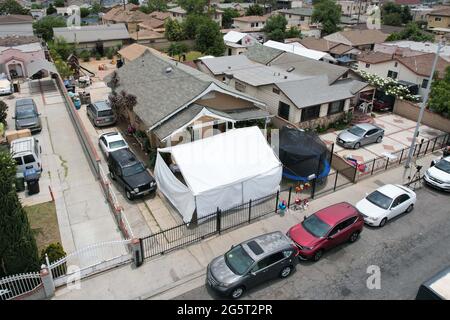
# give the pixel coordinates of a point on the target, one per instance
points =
(27, 154)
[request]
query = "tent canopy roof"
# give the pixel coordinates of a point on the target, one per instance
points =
(224, 159)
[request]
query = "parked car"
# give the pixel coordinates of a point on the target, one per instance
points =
(436, 288)
(27, 154)
(101, 114)
(385, 203)
(326, 229)
(130, 173)
(111, 141)
(27, 116)
(251, 263)
(438, 175)
(359, 135)
(5, 86)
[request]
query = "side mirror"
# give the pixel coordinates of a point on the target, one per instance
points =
(253, 273)
(367, 194)
(232, 246)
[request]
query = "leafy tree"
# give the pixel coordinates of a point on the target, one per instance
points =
(177, 49)
(440, 94)
(293, 32)
(275, 27)
(59, 3)
(18, 250)
(12, 7)
(154, 5)
(44, 27)
(209, 39)
(123, 104)
(328, 13)
(62, 48)
(193, 6)
(63, 68)
(191, 24)
(84, 12)
(227, 17)
(3, 112)
(85, 55)
(36, 6)
(395, 15)
(51, 9)
(174, 30)
(411, 32)
(54, 252)
(254, 10)
(96, 8)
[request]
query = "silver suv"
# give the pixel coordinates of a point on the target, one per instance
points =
(251, 263)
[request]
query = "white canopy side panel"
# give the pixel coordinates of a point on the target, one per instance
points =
(224, 198)
(263, 185)
(177, 193)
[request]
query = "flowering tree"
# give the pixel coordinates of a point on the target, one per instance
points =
(388, 85)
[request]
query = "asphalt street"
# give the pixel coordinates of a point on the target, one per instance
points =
(407, 250)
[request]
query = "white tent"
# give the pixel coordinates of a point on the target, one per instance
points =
(221, 171)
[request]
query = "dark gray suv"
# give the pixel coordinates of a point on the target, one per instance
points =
(27, 116)
(251, 263)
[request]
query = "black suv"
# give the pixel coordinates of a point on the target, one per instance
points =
(130, 173)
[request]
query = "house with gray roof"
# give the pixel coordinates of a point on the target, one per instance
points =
(297, 17)
(302, 91)
(16, 25)
(95, 36)
(175, 100)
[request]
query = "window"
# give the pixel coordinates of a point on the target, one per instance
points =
(310, 113)
(392, 74)
(276, 90)
(424, 83)
(264, 263)
(302, 18)
(437, 19)
(336, 107)
(400, 200)
(283, 110)
(252, 25)
(239, 86)
(28, 159)
(396, 64)
(19, 161)
(367, 65)
(371, 132)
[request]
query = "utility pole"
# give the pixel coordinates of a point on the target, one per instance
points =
(423, 106)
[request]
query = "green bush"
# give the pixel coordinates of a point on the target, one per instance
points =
(3, 112)
(54, 252)
(110, 53)
(98, 56)
(85, 55)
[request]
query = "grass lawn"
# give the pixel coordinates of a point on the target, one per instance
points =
(44, 224)
(191, 55)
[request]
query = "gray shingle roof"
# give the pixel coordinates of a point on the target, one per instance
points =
(262, 54)
(299, 11)
(177, 121)
(160, 93)
(315, 91)
(93, 33)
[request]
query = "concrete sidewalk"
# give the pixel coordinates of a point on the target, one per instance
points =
(180, 271)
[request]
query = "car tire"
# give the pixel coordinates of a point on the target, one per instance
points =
(236, 293)
(410, 208)
(285, 272)
(382, 222)
(379, 139)
(128, 194)
(353, 237)
(318, 255)
(112, 175)
(357, 145)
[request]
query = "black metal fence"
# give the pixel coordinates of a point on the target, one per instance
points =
(396, 158)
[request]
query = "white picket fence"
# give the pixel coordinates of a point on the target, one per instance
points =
(18, 285)
(89, 260)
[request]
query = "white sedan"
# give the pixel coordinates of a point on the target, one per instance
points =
(438, 175)
(111, 141)
(386, 203)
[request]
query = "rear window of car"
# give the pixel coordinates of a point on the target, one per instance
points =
(28, 159)
(117, 144)
(19, 161)
(105, 113)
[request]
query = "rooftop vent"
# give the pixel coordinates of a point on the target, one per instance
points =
(290, 69)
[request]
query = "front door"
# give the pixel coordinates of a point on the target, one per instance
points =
(399, 205)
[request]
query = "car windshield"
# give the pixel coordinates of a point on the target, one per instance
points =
(23, 113)
(357, 131)
(379, 199)
(133, 169)
(315, 226)
(117, 144)
(24, 102)
(238, 260)
(105, 113)
(443, 165)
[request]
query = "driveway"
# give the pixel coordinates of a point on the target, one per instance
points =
(408, 251)
(84, 216)
(398, 135)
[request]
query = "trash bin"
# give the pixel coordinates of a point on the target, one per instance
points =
(20, 182)
(32, 180)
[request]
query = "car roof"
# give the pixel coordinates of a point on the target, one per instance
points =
(336, 213)
(266, 244)
(112, 136)
(102, 105)
(391, 190)
(124, 157)
(22, 145)
(367, 126)
(24, 101)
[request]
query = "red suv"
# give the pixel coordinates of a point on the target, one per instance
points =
(326, 229)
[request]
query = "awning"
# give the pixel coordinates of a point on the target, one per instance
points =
(38, 65)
